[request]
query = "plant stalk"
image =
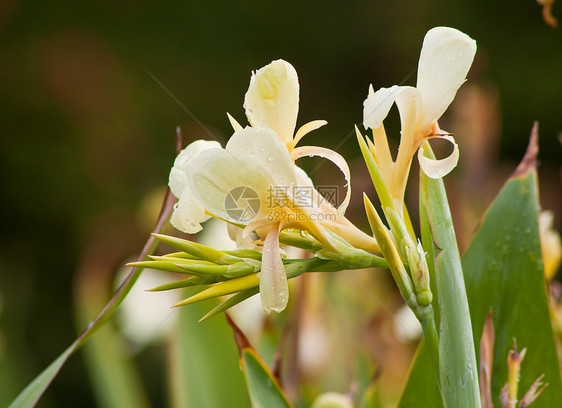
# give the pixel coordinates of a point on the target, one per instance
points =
(458, 371)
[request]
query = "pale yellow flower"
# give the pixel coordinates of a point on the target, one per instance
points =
(236, 184)
(253, 182)
(272, 101)
(445, 59)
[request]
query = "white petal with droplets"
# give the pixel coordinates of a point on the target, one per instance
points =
(218, 178)
(188, 213)
(377, 105)
(272, 99)
(274, 289)
(178, 177)
(445, 59)
(262, 146)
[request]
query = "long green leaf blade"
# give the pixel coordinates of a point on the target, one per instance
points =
(33, 392)
(503, 271)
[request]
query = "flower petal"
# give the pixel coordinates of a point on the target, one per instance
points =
(272, 99)
(377, 105)
(234, 123)
(335, 158)
(306, 129)
(262, 146)
(178, 177)
(274, 289)
(188, 213)
(409, 103)
(229, 187)
(242, 240)
(439, 168)
(445, 59)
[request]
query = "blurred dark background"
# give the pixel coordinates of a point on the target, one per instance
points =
(87, 128)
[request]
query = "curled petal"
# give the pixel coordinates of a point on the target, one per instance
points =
(272, 99)
(178, 177)
(445, 59)
(307, 128)
(274, 289)
(377, 105)
(188, 213)
(439, 168)
(335, 158)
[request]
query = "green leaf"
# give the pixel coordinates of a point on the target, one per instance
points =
(204, 362)
(197, 250)
(503, 271)
(230, 302)
(114, 377)
(511, 283)
(262, 386)
(33, 392)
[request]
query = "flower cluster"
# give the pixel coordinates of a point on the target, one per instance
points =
(235, 183)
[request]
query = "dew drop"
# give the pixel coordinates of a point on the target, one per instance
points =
(270, 158)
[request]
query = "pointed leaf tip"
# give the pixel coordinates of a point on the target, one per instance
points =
(529, 161)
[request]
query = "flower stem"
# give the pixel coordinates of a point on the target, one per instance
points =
(458, 372)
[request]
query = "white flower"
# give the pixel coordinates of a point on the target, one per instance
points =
(236, 184)
(254, 183)
(445, 59)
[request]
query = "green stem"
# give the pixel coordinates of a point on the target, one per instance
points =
(427, 321)
(458, 372)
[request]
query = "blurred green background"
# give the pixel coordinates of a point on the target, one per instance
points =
(87, 128)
